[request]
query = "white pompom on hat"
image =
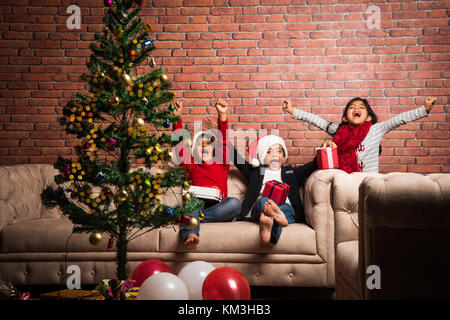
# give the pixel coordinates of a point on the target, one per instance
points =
(258, 149)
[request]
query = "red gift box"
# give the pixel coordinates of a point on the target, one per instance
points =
(327, 158)
(277, 191)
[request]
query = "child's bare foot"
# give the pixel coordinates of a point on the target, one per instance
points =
(272, 210)
(265, 227)
(192, 241)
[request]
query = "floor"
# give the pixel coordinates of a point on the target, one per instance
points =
(257, 293)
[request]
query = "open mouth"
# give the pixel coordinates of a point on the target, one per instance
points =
(274, 161)
(356, 114)
(205, 153)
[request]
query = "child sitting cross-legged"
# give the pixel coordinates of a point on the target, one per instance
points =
(270, 155)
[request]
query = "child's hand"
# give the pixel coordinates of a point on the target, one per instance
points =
(287, 106)
(222, 108)
(178, 108)
(329, 143)
(429, 101)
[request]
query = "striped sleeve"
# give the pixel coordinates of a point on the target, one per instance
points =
(402, 118)
(327, 126)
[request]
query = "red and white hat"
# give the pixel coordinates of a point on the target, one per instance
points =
(257, 150)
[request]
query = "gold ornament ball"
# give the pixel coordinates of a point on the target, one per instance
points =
(114, 100)
(186, 197)
(95, 238)
(164, 77)
(186, 185)
(148, 151)
(122, 195)
(139, 122)
(193, 223)
(125, 79)
(201, 215)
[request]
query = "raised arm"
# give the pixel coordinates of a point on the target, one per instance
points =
(407, 116)
(222, 124)
(327, 126)
(182, 152)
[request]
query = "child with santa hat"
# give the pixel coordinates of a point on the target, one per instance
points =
(269, 155)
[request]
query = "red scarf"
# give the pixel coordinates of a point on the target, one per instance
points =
(347, 140)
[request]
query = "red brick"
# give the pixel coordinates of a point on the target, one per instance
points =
(257, 52)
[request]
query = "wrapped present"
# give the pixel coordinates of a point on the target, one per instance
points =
(205, 193)
(72, 294)
(327, 158)
(277, 191)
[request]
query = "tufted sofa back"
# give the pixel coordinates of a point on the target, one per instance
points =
(20, 192)
(21, 187)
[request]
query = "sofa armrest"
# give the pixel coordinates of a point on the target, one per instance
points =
(405, 230)
(319, 215)
(344, 202)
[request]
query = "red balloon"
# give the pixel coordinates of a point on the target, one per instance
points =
(148, 268)
(225, 284)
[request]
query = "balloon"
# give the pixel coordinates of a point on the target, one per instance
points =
(163, 286)
(147, 269)
(225, 284)
(193, 274)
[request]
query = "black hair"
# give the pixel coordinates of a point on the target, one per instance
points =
(369, 111)
(368, 108)
(212, 140)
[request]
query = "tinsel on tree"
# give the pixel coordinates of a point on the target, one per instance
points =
(100, 191)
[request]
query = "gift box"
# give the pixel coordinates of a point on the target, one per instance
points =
(205, 193)
(327, 158)
(72, 294)
(75, 294)
(277, 191)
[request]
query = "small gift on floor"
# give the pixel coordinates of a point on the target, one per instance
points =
(277, 191)
(327, 158)
(72, 294)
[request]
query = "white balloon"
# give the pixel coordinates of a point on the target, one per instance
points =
(163, 286)
(193, 274)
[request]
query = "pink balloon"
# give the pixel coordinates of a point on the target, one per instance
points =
(148, 268)
(225, 284)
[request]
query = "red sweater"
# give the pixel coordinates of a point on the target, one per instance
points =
(207, 174)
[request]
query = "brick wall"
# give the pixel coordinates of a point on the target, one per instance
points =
(252, 53)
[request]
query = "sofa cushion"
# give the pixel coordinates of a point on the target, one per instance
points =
(51, 235)
(242, 237)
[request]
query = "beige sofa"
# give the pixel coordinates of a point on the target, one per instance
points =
(403, 228)
(34, 240)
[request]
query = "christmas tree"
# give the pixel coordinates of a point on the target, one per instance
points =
(100, 191)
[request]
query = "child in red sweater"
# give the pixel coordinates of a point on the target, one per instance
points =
(206, 166)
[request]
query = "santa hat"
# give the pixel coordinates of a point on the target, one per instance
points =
(199, 134)
(258, 149)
